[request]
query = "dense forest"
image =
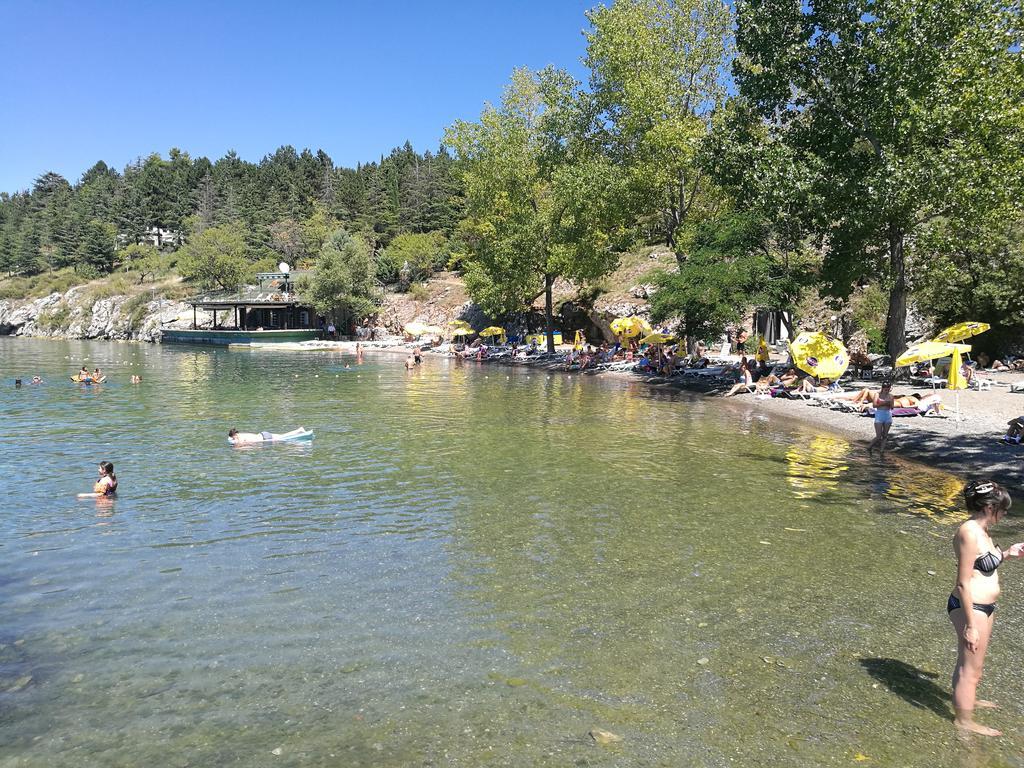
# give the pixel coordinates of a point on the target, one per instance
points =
(862, 157)
(274, 205)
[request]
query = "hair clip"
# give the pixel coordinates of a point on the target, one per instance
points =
(980, 489)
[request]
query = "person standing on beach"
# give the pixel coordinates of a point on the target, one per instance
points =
(972, 604)
(883, 418)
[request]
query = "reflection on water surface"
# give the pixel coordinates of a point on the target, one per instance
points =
(468, 566)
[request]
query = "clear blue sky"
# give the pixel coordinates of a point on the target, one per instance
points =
(87, 81)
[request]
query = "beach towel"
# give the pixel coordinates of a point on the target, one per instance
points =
(929, 408)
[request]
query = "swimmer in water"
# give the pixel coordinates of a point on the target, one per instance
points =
(410, 363)
(136, 379)
(36, 380)
(106, 485)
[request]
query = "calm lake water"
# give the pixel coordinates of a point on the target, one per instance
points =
(469, 566)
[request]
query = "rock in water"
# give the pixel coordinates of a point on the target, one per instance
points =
(604, 737)
(20, 684)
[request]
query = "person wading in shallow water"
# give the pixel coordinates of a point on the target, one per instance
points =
(972, 604)
(883, 418)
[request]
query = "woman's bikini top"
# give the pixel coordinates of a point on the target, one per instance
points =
(106, 489)
(988, 562)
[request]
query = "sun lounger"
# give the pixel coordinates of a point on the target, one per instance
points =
(934, 382)
(620, 365)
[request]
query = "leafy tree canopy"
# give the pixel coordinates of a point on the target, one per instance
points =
(539, 204)
(218, 257)
(344, 277)
(898, 112)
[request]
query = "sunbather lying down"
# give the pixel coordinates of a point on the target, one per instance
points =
(866, 397)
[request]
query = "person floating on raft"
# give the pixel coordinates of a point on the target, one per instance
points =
(84, 377)
(106, 486)
(247, 438)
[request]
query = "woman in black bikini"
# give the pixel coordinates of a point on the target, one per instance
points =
(977, 585)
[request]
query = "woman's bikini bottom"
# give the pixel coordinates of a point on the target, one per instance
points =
(954, 602)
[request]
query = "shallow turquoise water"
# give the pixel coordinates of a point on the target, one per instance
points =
(468, 566)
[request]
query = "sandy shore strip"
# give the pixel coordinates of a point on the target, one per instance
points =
(966, 447)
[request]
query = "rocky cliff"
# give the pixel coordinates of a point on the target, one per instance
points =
(79, 314)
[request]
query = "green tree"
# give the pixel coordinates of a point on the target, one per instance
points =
(96, 250)
(733, 265)
(539, 205)
(417, 255)
(316, 229)
(217, 258)
(144, 260)
(343, 277)
(975, 274)
(899, 113)
(657, 73)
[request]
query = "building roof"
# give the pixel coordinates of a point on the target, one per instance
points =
(274, 289)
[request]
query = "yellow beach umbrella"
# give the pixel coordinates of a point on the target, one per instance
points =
(929, 350)
(460, 324)
(762, 352)
(492, 330)
(819, 354)
(962, 331)
(460, 331)
(956, 380)
(657, 338)
(626, 327)
(433, 330)
(415, 328)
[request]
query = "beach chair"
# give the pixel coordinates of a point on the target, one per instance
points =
(620, 365)
(935, 382)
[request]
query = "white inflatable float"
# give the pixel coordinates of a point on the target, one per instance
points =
(256, 438)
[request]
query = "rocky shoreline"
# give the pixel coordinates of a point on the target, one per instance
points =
(80, 314)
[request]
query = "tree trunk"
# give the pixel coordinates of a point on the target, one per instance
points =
(896, 320)
(787, 320)
(549, 319)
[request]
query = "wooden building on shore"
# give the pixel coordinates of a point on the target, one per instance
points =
(270, 311)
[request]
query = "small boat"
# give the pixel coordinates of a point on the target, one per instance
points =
(80, 379)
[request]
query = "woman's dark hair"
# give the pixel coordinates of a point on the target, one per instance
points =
(232, 432)
(109, 469)
(985, 495)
